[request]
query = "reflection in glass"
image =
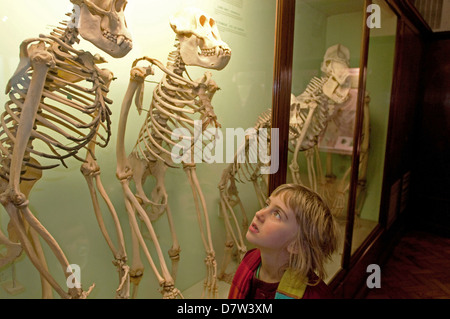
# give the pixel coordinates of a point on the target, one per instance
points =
(324, 95)
(376, 112)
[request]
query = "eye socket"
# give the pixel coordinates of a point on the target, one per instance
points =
(202, 20)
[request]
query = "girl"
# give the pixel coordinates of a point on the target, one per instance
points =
(294, 235)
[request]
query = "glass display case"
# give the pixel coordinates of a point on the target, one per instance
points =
(334, 58)
(346, 165)
(327, 57)
(380, 69)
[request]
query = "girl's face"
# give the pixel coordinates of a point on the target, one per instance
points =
(274, 227)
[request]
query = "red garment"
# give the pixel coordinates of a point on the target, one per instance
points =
(240, 286)
(262, 290)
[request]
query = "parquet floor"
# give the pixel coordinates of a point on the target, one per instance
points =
(419, 268)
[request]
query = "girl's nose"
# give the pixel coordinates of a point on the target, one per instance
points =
(260, 214)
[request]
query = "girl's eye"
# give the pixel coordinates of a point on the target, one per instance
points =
(277, 215)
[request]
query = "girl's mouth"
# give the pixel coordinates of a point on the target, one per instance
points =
(253, 228)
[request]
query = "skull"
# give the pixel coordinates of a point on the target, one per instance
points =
(200, 42)
(336, 65)
(102, 22)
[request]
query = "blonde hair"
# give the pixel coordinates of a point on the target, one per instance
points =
(317, 235)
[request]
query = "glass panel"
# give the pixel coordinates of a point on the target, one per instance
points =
(325, 77)
(61, 200)
(373, 143)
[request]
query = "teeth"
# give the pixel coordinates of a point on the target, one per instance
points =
(208, 52)
(114, 38)
(216, 51)
(110, 36)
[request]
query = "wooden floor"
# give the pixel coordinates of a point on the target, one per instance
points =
(419, 268)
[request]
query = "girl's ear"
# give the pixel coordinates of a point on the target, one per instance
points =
(292, 248)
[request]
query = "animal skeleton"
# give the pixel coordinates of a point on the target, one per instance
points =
(177, 102)
(309, 114)
(54, 113)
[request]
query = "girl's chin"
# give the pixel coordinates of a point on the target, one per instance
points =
(250, 237)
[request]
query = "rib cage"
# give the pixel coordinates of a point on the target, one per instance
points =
(312, 94)
(175, 105)
(69, 115)
(155, 134)
(249, 172)
(246, 171)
